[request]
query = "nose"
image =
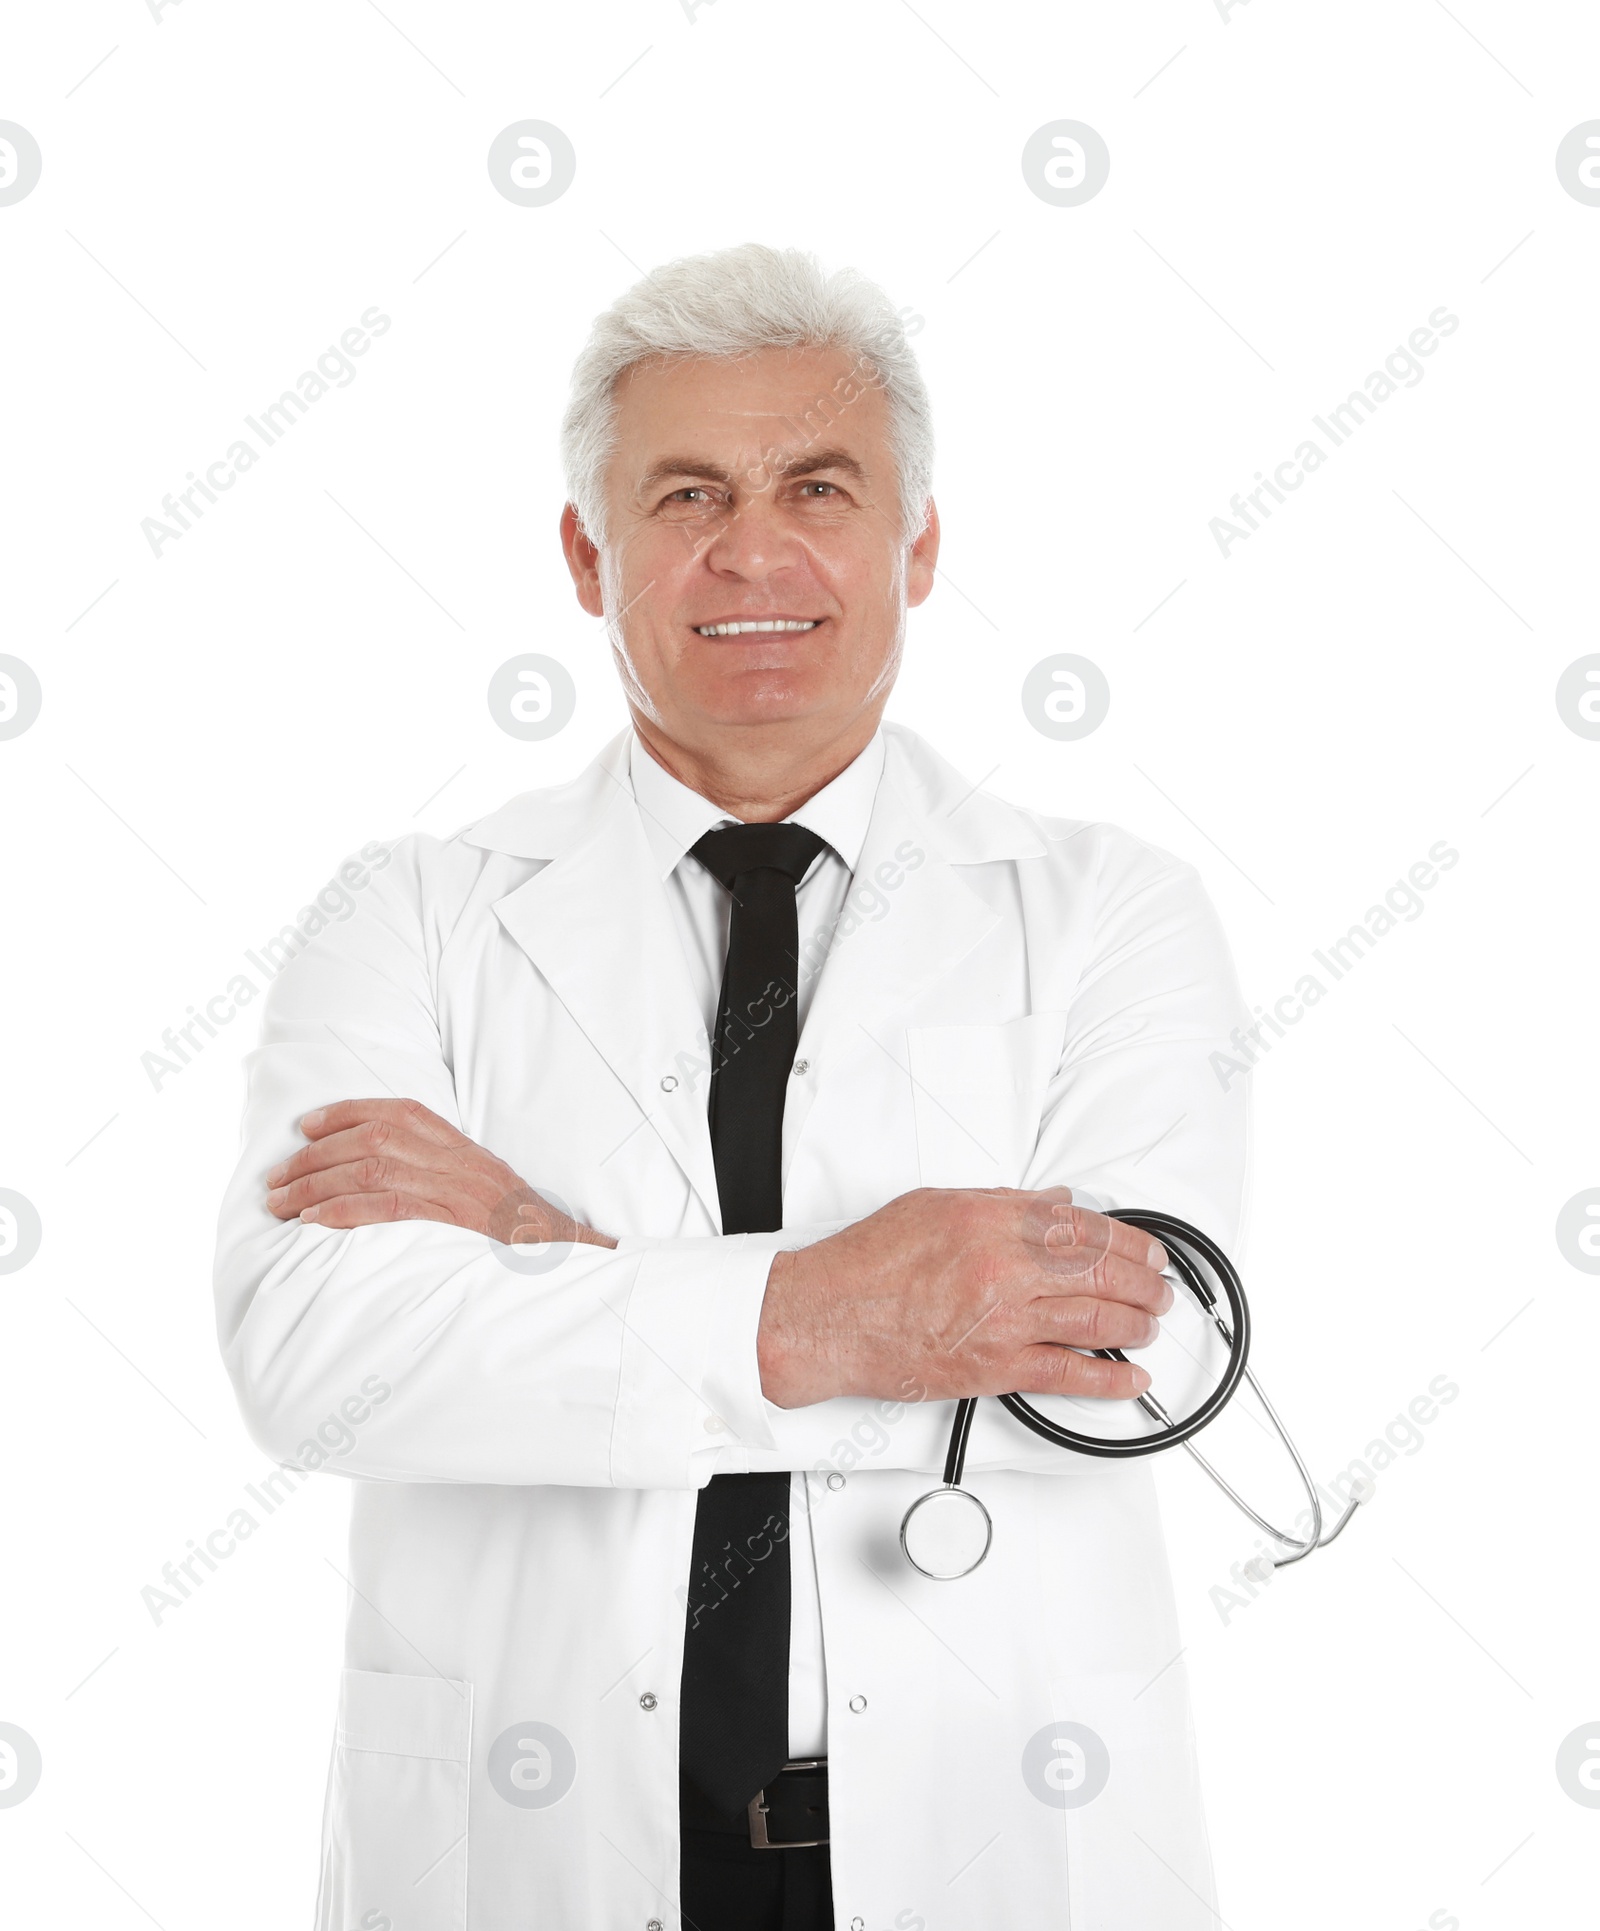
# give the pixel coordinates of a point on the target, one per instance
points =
(754, 541)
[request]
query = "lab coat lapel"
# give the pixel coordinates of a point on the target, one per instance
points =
(596, 923)
(878, 966)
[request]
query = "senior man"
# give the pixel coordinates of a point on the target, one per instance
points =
(787, 1050)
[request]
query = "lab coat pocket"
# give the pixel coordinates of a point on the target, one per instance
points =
(978, 1092)
(395, 1834)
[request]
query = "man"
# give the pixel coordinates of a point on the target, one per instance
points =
(805, 1067)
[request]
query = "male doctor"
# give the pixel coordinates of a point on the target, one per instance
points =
(639, 1175)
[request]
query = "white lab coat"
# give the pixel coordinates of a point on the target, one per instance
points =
(1020, 1002)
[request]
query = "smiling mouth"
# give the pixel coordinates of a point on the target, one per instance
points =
(745, 628)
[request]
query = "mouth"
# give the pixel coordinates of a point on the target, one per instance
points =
(745, 627)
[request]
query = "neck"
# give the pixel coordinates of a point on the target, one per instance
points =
(758, 786)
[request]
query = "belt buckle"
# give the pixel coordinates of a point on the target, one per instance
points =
(757, 1811)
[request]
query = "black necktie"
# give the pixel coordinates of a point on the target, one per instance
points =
(734, 1726)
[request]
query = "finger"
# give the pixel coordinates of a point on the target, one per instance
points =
(368, 1210)
(1082, 1227)
(340, 1148)
(383, 1136)
(1062, 1371)
(529, 1218)
(1082, 1270)
(409, 1114)
(1084, 1322)
(370, 1175)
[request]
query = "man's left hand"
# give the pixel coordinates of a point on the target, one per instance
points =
(370, 1161)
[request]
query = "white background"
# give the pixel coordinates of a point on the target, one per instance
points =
(1293, 193)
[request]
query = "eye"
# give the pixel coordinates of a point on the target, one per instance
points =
(689, 501)
(812, 483)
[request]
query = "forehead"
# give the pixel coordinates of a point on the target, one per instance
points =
(744, 408)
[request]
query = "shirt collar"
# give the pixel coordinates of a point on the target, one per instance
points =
(675, 817)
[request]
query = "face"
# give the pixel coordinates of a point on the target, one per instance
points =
(757, 492)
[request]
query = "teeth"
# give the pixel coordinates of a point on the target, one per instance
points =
(738, 630)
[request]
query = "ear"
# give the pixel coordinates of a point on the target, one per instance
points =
(924, 559)
(583, 560)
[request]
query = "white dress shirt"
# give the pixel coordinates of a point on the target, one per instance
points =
(674, 818)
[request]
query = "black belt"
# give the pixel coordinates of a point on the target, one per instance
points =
(790, 1814)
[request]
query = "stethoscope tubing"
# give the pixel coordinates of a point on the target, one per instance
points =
(1178, 1237)
(1182, 1242)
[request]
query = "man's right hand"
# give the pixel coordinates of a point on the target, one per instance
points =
(953, 1291)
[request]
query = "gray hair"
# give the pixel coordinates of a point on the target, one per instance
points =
(734, 303)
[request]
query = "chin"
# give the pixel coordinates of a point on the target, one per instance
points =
(761, 696)
(773, 708)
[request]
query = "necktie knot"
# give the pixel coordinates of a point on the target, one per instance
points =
(736, 849)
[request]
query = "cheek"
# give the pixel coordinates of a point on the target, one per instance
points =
(639, 555)
(862, 645)
(640, 575)
(638, 653)
(860, 570)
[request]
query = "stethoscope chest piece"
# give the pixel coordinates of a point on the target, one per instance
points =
(946, 1533)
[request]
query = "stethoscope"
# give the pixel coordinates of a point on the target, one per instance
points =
(946, 1533)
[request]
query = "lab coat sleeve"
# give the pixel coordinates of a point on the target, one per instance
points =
(1149, 1104)
(740, 1417)
(413, 1352)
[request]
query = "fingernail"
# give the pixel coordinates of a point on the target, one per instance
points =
(1141, 1381)
(275, 1174)
(1157, 1257)
(310, 1213)
(275, 1196)
(312, 1120)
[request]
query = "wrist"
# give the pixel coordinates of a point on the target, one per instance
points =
(789, 1356)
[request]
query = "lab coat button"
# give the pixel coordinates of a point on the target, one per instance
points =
(858, 1924)
(836, 1480)
(858, 1704)
(713, 1424)
(654, 1924)
(648, 1700)
(668, 1083)
(801, 1068)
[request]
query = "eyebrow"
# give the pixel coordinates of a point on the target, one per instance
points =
(803, 463)
(806, 463)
